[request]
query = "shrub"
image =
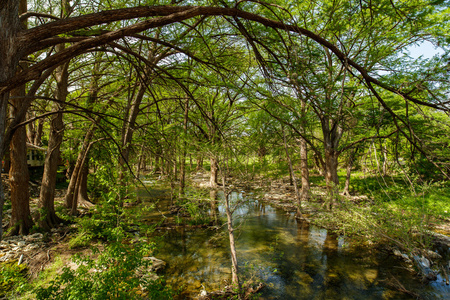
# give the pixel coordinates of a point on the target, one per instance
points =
(113, 275)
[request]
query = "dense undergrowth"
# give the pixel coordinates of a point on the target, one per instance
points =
(116, 265)
(394, 211)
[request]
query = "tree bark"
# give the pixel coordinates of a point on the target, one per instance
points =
(293, 178)
(331, 176)
(304, 169)
(21, 221)
(83, 197)
(141, 161)
(234, 262)
(331, 139)
(183, 155)
(3, 104)
(304, 151)
(199, 162)
(71, 190)
(47, 218)
(213, 174)
(80, 185)
(350, 162)
(38, 136)
(10, 54)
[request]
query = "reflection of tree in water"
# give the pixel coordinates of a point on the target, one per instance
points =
(192, 260)
(310, 263)
(332, 280)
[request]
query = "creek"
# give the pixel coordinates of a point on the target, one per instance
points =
(295, 260)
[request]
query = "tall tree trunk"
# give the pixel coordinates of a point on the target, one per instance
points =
(350, 162)
(213, 174)
(183, 155)
(3, 104)
(304, 151)
(10, 53)
(234, 262)
(214, 208)
(332, 134)
(72, 189)
(331, 176)
(21, 221)
(39, 131)
(158, 160)
(175, 163)
(47, 218)
(31, 129)
(293, 178)
(141, 160)
(79, 195)
(384, 150)
(199, 162)
(83, 196)
(127, 133)
(304, 169)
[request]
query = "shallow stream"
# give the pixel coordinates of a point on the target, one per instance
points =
(293, 259)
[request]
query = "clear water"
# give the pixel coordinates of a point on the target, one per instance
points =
(294, 260)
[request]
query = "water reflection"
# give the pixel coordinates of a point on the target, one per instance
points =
(295, 260)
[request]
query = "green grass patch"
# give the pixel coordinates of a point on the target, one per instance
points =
(13, 278)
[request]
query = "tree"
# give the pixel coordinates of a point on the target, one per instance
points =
(15, 42)
(47, 218)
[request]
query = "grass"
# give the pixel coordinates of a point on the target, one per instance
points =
(394, 193)
(394, 210)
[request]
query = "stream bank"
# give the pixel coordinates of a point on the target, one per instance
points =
(289, 256)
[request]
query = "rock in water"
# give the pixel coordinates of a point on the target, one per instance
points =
(424, 267)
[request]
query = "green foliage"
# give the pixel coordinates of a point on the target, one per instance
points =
(197, 213)
(195, 207)
(119, 272)
(81, 239)
(12, 278)
(393, 213)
